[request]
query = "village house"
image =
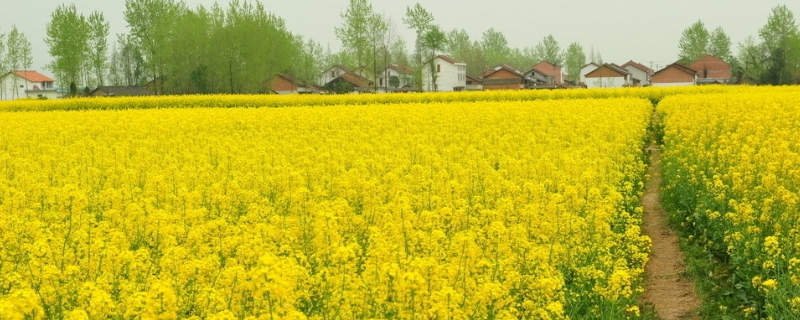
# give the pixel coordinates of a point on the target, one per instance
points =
(608, 75)
(503, 77)
(547, 68)
(535, 79)
(120, 91)
(338, 78)
(396, 78)
(449, 75)
(27, 84)
(712, 70)
(674, 75)
(591, 66)
(288, 84)
(639, 72)
(474, 83)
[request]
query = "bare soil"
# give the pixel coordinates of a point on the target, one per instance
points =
(668, 290)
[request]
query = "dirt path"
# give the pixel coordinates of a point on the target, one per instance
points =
(672, 295)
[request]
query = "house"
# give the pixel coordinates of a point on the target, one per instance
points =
(449, 75)
(674, 75)
(340, 79)
(639, 72)
(712, 70)
(27, 84)
(120, 91)
(591, 66)
(608, 75)
(474, 83)
(535, 79)
(547, 68)
(287, 84)
(503, 77)
(395, 78)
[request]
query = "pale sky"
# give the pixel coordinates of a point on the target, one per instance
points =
(645, 31)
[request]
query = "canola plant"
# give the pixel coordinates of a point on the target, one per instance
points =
(457, 210)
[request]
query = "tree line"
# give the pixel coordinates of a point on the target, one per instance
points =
(176, 49)
(773, 58)
(15, 54)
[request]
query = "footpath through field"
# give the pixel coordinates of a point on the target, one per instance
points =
(671, 293)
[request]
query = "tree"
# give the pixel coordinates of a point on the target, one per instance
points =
(354, 32)
(495, 47)
(575, 59)
(720, 45)
(67, 39)
(2, 64)
(98, 45)
(18, 54)
(433, 42)
(549, 50)
(781, 43)
(694, 43)
(595, 57)
(419, 20)
(750, 61)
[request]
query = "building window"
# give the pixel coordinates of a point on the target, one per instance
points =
(438, 68)
(333, 74)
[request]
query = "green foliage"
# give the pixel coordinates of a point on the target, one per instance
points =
(340, 87)
(720, 45)
(694, 43)
(68, 42)
(98, 46)
(575, 59)
(781, 44)
(549, 50)
(495, 47)
(205, 50)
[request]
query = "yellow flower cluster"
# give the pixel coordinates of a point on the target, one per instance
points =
(463, 210)
(732, 166)
(653, 94)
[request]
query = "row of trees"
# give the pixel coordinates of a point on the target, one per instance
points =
(773, 58)
(178, 49)
(15, 54)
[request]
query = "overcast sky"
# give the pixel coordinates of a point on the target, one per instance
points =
(645, 31)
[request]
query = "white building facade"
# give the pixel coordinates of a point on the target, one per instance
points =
(27, 84)
(450, 75)
(586, 69)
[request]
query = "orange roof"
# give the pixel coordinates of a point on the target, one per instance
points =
(638, 66)
(448, 59)
(33, 76)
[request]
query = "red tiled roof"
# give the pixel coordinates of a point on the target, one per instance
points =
(638, 66)
(401, 69)
(680, 67)
(33, 76)
(448, 59)
(499, 67)
(601, 71)
(355, 80)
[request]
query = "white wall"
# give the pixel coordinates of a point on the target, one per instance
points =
(451, 77)
(639, 74)
(585, 70)
(11, 90)
(326, 75)
(605, 82)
